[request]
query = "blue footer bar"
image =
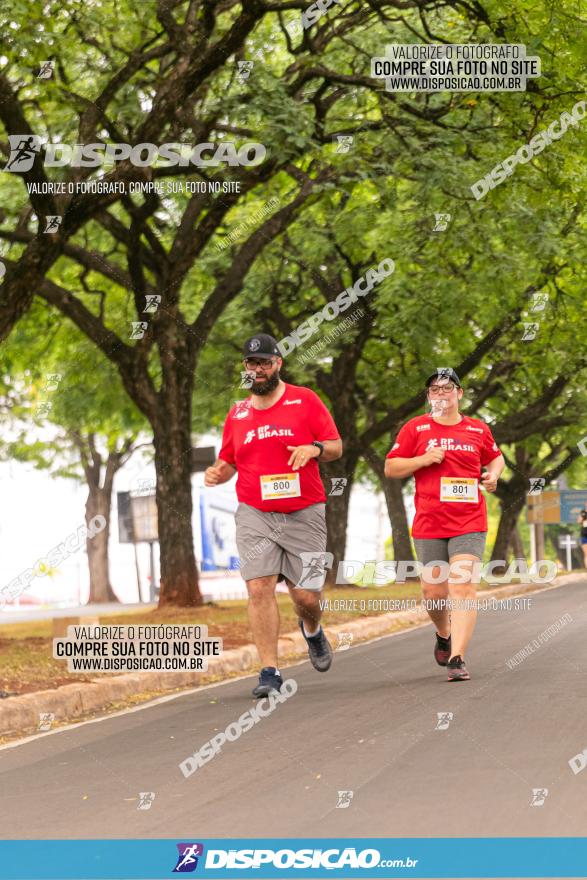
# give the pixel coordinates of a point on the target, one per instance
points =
(304, 858)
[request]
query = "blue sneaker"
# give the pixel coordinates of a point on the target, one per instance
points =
(319, 650)
(269, 680)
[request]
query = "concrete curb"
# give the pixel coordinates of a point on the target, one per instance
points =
(21, 714)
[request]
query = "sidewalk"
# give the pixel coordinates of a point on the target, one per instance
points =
(215, 587)
(73, 702)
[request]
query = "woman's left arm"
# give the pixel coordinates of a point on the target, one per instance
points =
(492, 473)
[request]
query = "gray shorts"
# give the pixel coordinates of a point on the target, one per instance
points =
(442, 549)
(290, 545)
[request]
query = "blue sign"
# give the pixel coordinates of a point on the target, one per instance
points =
(572, 501)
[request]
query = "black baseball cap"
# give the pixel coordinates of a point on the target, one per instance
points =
(260, 345)
(444, 373)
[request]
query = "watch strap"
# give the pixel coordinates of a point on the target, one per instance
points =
(319, 445)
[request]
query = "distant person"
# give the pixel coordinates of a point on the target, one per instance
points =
(582, 519)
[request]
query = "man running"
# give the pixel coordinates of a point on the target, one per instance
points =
(446, 451)
(273, 440)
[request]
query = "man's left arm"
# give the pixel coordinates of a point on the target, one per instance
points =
(332, 450)
(324, 430)
(301, 455)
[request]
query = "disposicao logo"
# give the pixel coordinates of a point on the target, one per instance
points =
(187, 860)
(24, 148)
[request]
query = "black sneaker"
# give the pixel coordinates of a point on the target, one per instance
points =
(457, 671)
(442, 650)
(319, 650)
(269, 680)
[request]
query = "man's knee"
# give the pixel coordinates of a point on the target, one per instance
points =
(260, 588)
(304, 598)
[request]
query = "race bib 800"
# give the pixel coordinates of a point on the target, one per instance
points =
(280, 486)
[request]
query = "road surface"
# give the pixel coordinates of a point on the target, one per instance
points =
(367, 727)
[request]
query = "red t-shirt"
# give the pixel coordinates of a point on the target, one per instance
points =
(467, 445)
(255, 442)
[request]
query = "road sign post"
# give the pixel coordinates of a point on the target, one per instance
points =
(567, 542)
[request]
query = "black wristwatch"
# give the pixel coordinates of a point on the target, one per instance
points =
(320, 447)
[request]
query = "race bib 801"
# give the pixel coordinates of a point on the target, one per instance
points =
(459, 489)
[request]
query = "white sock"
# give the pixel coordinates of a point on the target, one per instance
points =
(309, 635)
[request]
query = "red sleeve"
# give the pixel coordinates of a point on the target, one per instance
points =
(490, 449)
(321, 422)
(404, 446)
(227, 449)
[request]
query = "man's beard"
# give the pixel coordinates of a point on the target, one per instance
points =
(266, 386)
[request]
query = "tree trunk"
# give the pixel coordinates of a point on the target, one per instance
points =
(396, 510)
(507, 525)
(394, 498)
(99, 504)
(512, 498)
(173, 451)
(517, 546)
(337, 509)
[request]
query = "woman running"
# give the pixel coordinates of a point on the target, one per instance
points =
(446, 451)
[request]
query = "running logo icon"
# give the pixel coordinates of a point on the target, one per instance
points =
(539, 795)
(344, 800)
(530, 331)
(345, 640)
(53, 380)
(46, 719)
(345, 142)
(338, 485)
(247, 379)
(444, 719)
(24, 148)
(138, 329)
(146, 799)
(441, 223)
(52, 222)
(537, 484)
(45, 70)
(539, 301)
(438, 406)
(187, 861)
(153, 301)
(244, 70)
(314, 567)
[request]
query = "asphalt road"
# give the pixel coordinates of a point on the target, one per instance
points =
(368, 726)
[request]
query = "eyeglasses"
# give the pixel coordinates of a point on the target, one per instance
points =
(441, 389)
(254, 363)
